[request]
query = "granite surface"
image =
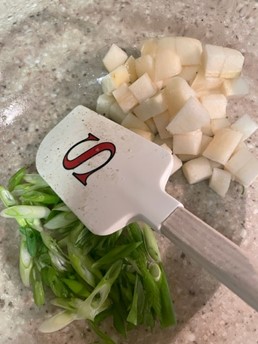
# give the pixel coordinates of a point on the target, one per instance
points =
(50, 59)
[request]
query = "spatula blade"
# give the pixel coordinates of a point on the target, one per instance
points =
(106, 174)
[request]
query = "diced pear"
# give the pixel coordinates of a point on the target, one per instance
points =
(116, 113)
(214, 58)
(187, 157)
(220, 181)
(191, 117)
(125, 98)
(131, 121)
(177, 92)
(114, 79)
(146, 134)
(114, 58)
(151, 107)
(238, 160)
(215, 164)
(177, 164)
(245, 125)
(160, 141)
(189, 50)
(167, 64)
(145, 64)
(248, 173)
(219, 123)
(104, 103)
(233, 64)
(235, 87)
(215, 104)
(197, 170)
(167, 43)
(202, 93)
(189, 73)
(130, 65)
(202, 83)
(240, 146)
(244, 167)
(206, 130)
(159, 84)
(108, 84)
(187, 143)
(222, 145)
(152, 126)
(143, 88)
(204, 143)
(161, 121)
(149, 47)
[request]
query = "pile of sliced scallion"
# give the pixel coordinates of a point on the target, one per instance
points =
(91, 277)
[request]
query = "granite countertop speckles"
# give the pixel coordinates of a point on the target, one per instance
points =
(50, 58)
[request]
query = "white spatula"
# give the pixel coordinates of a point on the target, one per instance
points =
(109, 176)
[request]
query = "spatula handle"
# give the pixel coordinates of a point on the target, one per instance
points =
(217, 254)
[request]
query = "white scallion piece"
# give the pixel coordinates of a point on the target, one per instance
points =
(26, 212)
(57, 322)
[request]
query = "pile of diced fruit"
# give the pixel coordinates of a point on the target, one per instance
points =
(175, 94)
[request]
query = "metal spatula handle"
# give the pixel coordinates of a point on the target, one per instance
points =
(217, 254)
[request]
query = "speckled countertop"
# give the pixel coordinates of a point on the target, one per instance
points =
(50, 57)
